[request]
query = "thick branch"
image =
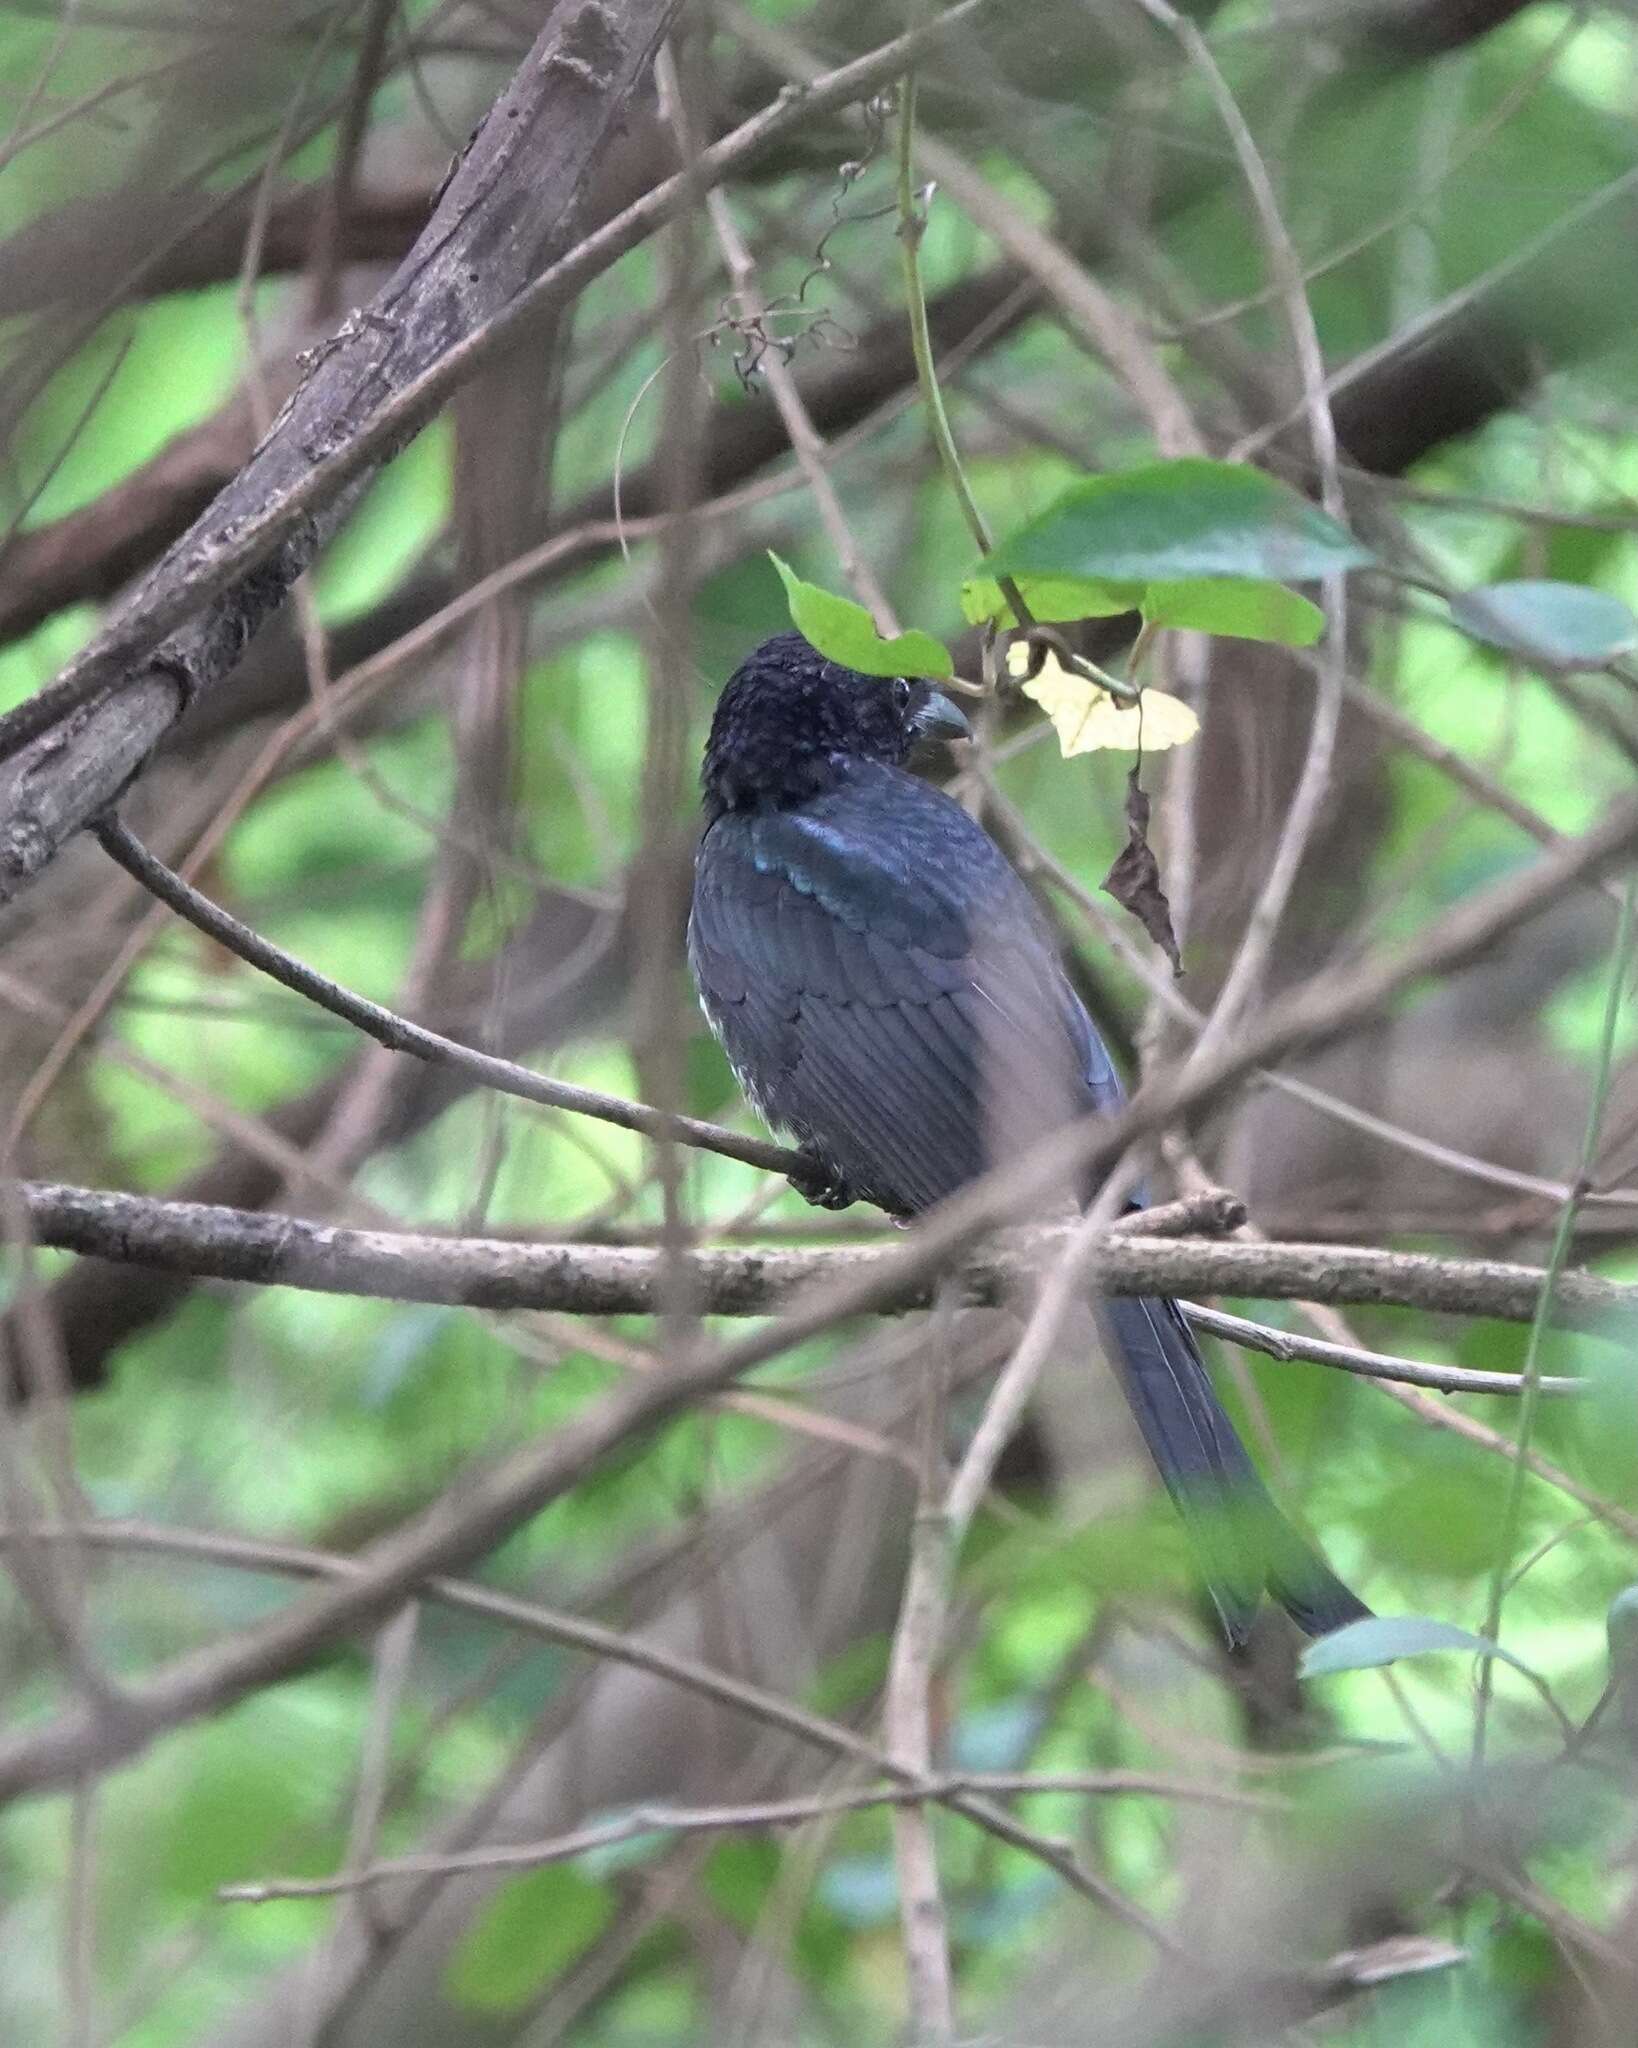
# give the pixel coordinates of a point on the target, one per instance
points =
(513, 204)
(251, 1245)
(50, 259)
(482, 270)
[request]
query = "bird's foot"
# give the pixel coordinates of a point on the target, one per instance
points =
(822, 1184)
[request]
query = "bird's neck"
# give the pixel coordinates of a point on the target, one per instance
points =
(781, 780)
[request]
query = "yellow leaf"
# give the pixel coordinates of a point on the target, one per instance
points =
(1087, 719)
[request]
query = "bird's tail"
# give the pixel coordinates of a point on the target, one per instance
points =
(1243, 1544)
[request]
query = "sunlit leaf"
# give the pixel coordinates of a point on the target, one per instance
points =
(1560, 625)
(845, 632)
(1384, 1638)
(1239, 609)
(1178, 520)
(1088, 719)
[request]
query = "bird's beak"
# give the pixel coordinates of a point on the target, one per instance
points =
(938, 719)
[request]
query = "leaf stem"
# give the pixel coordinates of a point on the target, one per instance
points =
(912, 225)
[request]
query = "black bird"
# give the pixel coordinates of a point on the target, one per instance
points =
(887, 992)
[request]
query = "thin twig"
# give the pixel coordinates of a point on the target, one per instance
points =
(574, 1632)
(908, 1713)
(1092, 316)
(773, 367)
(1066, 1282)
(912, 226)
(337, 198)
(1250, 963)
(1161, 986)
(1513, 1508)
(770, 1813)
(398, 1034)
(394, 1648)
(1286, 1345)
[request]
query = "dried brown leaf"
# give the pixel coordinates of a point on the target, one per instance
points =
(1134, 879)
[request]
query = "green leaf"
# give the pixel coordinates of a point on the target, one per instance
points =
(844, 631)
(1243, 608)
(1560, 625)
(1238, 608)
(529, 1932)
(1178, 520)
(1363, 1645)
(1051, 599)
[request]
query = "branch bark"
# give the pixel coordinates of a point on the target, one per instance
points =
(513, 206)
(560, 974)
(484, 268)
(211, 1242)
(49, 260)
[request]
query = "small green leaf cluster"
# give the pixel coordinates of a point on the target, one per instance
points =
(1203, 546)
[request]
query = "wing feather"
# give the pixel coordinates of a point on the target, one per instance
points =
(880, 979)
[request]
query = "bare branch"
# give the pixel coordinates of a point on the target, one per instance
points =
(261, 1248)
(770, 1813)
(50, 258)
(455, 301)
(398, 1034)
(1286, 1345)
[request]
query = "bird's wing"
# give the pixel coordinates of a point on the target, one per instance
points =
(884, 987)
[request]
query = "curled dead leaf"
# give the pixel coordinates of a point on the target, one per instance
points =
(1134, 879)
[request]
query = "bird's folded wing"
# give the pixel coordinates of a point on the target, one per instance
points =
(881, 981)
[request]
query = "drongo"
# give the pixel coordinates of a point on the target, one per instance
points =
(888, 993)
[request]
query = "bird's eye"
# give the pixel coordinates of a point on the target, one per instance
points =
(903, 691)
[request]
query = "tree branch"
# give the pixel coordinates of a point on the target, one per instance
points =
(557, 974)
(472, 282)
(253, 1246)
(49, 260)
(398, 1034)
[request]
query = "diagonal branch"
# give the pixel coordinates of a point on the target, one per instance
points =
(398, 1034)
(497, 255)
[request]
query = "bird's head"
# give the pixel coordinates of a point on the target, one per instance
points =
(790, 723)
